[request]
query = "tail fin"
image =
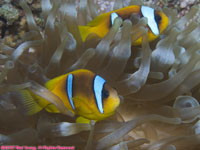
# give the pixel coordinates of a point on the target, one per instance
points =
(27, 102)
(84, 31)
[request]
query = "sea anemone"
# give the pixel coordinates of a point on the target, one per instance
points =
(158, 81)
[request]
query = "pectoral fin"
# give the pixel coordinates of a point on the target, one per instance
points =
(52, 108)
(82, 120)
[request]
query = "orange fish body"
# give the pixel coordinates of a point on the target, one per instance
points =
(83, 92)
(157, 22)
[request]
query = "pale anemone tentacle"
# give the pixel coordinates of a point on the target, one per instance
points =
(168, 147)
(54, 63)
(22, 47)
(6, 49)
(163, 56)
(46, 7)
(83, 60)
(93, 10)
(59, 129)
(196, 127)
(52, 39)
(8, 66)
(135, 81)
(182, 102)
(188, 108)
(103, 46)
(189, 83)
(114, 137)
(82, 12)
(69, 14)
(21, 137)
(91, 136)
(155, 91)
(156, 75)
(30, 20)
(191, 38)
(120, 54)
(182, 140)
(180, 24)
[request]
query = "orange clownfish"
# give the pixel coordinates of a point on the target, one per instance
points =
(157, 22)
(83, 92)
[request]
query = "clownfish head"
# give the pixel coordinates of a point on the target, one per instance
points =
(157, 21)
(107, 99)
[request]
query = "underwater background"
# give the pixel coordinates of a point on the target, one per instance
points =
(158, 82)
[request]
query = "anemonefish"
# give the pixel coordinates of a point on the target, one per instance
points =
(83, 92)
(157, 22)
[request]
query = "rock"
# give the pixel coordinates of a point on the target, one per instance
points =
(10, 13)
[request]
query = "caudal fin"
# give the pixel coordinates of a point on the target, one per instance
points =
(84, 31)
(26, 102)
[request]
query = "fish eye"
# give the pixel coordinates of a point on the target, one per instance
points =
(105, 94)
(158, 18)
(113, 16)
